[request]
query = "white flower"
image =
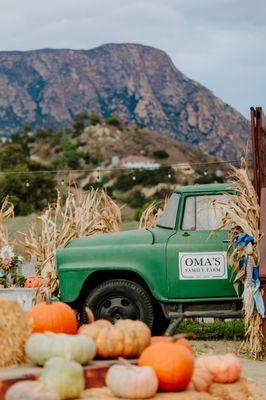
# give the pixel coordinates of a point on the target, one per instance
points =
(7, 252)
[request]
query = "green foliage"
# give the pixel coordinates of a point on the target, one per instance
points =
(81, 120)
(71, 156)
(13, 154)
(217, 330)
(202, 180)
(97, 159)
(145, 178)
(27, 199)
(136, 199)
(114, 120)
(87, 158)
(160, 154)
(32, 198)
(94, 119)
(43, 133)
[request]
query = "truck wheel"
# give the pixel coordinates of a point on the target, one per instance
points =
(120, 299)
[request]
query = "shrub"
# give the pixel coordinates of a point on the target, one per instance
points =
(218, 330)
(94, 119)
(136, 199)
(145, 178)
(114, 120)
(160, 154)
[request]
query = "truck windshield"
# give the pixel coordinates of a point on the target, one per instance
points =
(168, 218)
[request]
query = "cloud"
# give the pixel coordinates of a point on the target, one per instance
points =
(220, 43)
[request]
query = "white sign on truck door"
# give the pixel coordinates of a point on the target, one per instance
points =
(211, 265)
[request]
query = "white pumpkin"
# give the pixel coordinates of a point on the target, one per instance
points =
(65, 376)
(132, 382)
(31, 390)
(42, 346)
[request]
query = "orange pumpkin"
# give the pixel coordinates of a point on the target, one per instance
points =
(55, 317)
(172, 363)
(178, 339)
(126, 338)
(33, 282)
(224, 368)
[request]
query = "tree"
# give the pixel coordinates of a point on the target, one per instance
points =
(81, 120)
(114, 120)
(94, 119)
(28, 192)
(11, 155)
(160, 154)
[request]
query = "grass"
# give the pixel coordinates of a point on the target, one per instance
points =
(217, 330)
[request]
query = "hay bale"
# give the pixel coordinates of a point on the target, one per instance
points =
(241, 390)
(15, 329)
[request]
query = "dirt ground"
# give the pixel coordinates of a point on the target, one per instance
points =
(254, 370)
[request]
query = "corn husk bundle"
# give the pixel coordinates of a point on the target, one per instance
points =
(79, 214)
(15, 329)
(6, 214)
(242, 215)
(151, 214)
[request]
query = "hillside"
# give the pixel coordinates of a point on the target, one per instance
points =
(103, 141)
(138, 83)
(136, 166)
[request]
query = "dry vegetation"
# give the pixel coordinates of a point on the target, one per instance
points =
(6, 214)
(79, 214)
(242, 214)
(151, 214)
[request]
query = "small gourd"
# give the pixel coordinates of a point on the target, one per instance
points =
(224, 368)
(131, 382)
(31, 390)
(65, 376)
(40, 347)
(201, 378)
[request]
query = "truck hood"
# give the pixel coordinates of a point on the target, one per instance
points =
(136, 236)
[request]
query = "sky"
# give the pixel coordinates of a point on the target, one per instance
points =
(219, 43)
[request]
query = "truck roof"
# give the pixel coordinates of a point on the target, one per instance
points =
(210, 188)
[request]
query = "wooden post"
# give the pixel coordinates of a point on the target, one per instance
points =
(259, 170)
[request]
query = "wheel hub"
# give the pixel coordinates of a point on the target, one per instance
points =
(118, 307)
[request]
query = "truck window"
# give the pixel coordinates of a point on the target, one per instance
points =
(201, 214)
(168, 218)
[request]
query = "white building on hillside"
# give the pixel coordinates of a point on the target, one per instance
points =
(139, 162)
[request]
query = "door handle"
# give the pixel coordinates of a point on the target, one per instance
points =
(226, 240)
(186, 234)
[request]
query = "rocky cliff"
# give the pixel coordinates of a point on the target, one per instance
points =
(138, 83)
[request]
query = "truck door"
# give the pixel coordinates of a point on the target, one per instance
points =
(196, 258)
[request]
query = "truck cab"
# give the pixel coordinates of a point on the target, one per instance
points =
(176, 269)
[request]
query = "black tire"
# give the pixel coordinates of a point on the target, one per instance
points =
(160, 323)
(120, 299)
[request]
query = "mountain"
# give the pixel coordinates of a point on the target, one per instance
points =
(139, 83)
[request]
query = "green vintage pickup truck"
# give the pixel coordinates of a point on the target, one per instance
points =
(174, 270)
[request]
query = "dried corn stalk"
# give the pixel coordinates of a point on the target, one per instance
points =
(151, 214)
(6, 213)
(241, 215)
(80, 214)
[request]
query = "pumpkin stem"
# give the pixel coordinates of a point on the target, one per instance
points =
(125, 362)
(183, 336)
(90, 315)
